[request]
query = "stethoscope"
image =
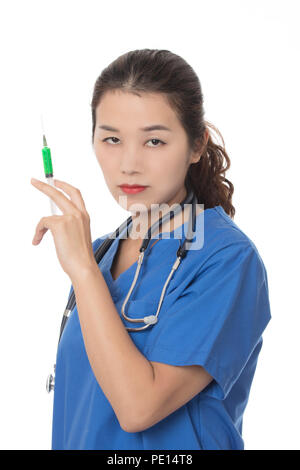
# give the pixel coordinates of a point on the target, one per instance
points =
(103, 248)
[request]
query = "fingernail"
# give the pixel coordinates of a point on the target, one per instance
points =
(33, 180)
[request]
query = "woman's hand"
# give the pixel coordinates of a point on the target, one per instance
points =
(71, 231)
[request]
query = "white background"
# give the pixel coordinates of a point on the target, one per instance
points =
(246, 54)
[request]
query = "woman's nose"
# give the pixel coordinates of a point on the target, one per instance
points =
(130, 162)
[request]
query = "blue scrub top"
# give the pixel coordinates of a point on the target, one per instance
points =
(215, 310)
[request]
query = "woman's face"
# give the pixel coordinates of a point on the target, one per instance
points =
(158, 159)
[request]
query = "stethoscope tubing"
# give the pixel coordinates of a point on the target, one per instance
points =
(181, 252)
(104, 247)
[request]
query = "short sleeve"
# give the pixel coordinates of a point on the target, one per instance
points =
(218, 319)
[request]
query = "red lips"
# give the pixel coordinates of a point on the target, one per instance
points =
(132, 189)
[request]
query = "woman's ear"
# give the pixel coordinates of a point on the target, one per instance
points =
(197, 153)
(206, 137)
(196, 158)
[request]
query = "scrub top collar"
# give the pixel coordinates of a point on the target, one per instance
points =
(169, 241)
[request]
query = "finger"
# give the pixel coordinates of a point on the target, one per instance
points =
(64, 203)
(42, 227)
(73, 192)
(38, 236)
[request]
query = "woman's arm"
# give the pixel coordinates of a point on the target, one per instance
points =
(140, 392)
(120, 369)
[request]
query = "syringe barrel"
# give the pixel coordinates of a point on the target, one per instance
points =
(47, 161)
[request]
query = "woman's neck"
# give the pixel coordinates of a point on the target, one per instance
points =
(142, 221)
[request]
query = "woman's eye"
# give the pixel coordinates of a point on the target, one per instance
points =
(151, 140)
(157, 140)
(104, 140)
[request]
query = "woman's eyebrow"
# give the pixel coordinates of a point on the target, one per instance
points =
(158, 127)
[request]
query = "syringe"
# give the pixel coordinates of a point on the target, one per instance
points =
(48, 169)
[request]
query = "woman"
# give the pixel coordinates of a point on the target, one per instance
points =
(184, 381)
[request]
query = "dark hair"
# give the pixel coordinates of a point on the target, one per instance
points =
(161, 71)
